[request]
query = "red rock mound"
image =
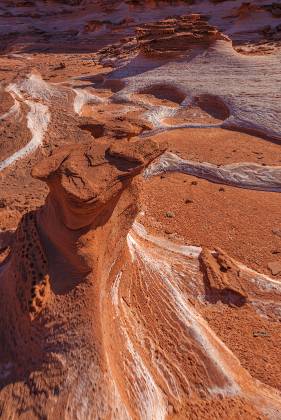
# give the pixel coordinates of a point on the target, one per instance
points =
(177, 34)
(223, 277)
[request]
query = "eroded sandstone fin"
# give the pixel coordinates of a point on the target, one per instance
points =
(222, 276)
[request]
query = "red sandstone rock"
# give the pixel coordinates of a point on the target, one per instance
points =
(223, 276)
(176, 35)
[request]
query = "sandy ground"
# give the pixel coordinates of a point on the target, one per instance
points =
(220, 147)
(212, 215)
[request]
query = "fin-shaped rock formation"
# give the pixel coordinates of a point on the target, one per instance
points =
(83, 226)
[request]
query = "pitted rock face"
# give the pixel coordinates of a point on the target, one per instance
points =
(31, 267)
(82, 180)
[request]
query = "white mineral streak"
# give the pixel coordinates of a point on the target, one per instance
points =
(150, 399)
(195, 325)
(38, 119)
(243, 175)
(13, 111)
(83, 97)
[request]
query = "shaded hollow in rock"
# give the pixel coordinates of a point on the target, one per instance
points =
(213, 105)
(165, 91)
(96, 130)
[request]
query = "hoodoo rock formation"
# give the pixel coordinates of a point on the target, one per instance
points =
(52, 286)
(140, 233)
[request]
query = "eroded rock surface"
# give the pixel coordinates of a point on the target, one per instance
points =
(139, 210)
(175, 35)
(83, 226)
(223, 277)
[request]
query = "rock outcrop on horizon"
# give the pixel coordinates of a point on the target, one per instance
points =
(176, 35)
